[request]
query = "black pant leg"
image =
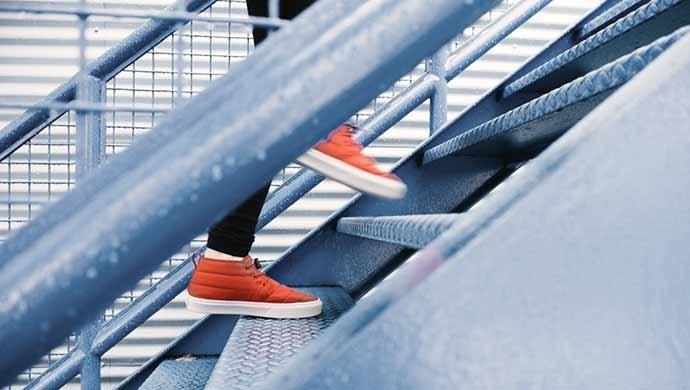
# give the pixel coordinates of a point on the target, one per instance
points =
(288, 10)
(234, 234)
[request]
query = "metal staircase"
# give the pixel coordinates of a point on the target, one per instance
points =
(478, 194)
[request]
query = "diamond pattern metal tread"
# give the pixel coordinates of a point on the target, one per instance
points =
(612, 13)
(183, 373)
(543, 119)
(650, 21)
(258, 346)
(414, 231)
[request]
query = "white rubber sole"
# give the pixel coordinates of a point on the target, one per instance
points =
(256, 309)
(352, 177)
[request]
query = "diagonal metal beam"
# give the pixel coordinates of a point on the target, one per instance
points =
(209, 157)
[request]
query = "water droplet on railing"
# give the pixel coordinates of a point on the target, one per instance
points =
(217, 173)
(113, 258)
(91, 273)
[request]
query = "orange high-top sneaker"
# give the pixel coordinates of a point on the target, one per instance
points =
(239, 287)
(340, 158)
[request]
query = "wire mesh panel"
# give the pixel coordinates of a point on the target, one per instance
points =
(43, 169)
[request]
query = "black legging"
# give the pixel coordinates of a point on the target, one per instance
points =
(234, 234)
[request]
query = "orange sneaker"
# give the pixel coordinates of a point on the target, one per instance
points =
(239, 287)
(340, 158)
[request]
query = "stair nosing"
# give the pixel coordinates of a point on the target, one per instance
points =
(588, 86)
(635, 18)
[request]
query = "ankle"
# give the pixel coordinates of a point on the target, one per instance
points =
(217, 255)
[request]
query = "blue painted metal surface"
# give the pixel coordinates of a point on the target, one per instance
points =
(118, 327)
(414, 231)
(129, 239)
(590, 293)
(438, 109)
(172, 352)
(105, 67)
(259, 346)
(188, 373)
(611, 15)
(471, 50)
(90, 146)
(61, 372)
(534, 124)
(432, 191)
(649, 22)
(158, 291)
(90, 372)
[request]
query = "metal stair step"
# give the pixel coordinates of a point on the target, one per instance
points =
(258, 346)
(640, 27)
(617, 11)
(188, 373)
(521, 132)
(414, 231)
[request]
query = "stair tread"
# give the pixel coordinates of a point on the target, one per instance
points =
(546, 117)
(615, 11)
(258, 346)
(182, 373)
(414, 231)
(615, 31)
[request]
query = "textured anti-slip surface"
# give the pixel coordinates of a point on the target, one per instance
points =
(634, 19)
(615, 11)
(414, 231)
(594, 83)
(258, 346)
(184, 373)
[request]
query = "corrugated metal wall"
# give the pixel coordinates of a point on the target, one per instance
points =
(37, 53)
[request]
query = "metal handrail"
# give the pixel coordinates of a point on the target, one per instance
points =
(105, 67)
(135, 203)
(299, 184)
(169, 15)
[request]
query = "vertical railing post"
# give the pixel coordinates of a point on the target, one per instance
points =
(90, 144)
(438, 110)
(274, 8)
(90, 141)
